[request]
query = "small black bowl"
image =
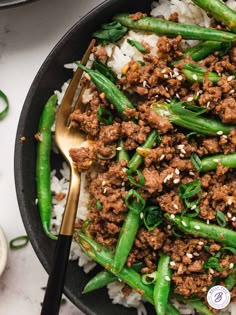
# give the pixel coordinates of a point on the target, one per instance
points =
(50, 77)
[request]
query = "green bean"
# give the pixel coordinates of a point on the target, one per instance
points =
(112, 93)
(190, 120)
(210, 163)
(129, 229)
(43, 163)
(105, 277)
(203, 49)
(137, 159)
(197, 304)
(196, 73)
(162, 285)
(230, 280)
(220, 11)
(209, 231)
(122, 154)
(172, 29)
(104, 257)
(101, 279)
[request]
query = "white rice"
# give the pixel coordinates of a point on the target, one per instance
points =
(119, 55)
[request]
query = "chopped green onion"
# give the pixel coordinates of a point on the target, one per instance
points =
(190, 134)
(137, 45)
(105, 70)
(4, 112)
(141, 63)
(196, 162)
(220, 218)
(190, 189)
(19, 242)
(134, 201)
(231, 249)
(141, 179)
(152, 217)
(197, 110)
(149, 278)
(176, 232)
(98, 204)
(193, 214)
(104, 116)
(213, 262)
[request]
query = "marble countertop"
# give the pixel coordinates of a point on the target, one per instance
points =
(27, 35)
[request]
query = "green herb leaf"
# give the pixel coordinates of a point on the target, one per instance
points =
(4, 112)
(98, 204)
(105, 70)
(110, 32)
(141, 179)
(220, 218)
(19, 242)
(152, 217)
(134, 201)
(104, 116)
(228, 248)
(197, 163)
(137, 45)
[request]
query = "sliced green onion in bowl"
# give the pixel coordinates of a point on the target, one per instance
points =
(19, 242)
(5, 109)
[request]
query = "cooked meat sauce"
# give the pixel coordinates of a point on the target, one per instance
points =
(166, 165)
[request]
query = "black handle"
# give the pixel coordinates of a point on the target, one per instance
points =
(52, 297)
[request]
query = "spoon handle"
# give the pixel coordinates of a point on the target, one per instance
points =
(53, 293)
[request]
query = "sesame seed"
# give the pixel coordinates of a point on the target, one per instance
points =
(200, 243)
(179, 77)
(230, 78)
(224, 136)
(208, 104)
(141, 215)
(181, 155)
(197, 227)
(189, 99)
(231, 91)
(233, 219)
(167, 278)
(229, 215)
(162, 157)
(175, 206)
(184, 224)
(231, 266)
(196, 254)
(166, 76)
(180, 146)
(194, 76)
(166, 88)
(204, 289)
(215, 160)
(177, 171)
(171, 75)
(103, 183)
(207, 222)
(189, 255)
(172, 263)
(36, 201)
(211, 271)
(191, 173)
(144, 83)
(104, 191)
(119, 148)
(176, 180)
(220, 132)
(177, 95)
(193, 207)
(163, 71)
(172, 216)
(123, 184)
(169, 227)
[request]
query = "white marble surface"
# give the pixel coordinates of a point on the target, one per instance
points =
(27, 35)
